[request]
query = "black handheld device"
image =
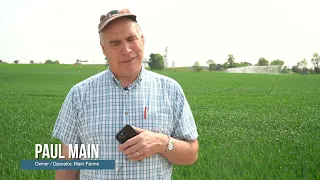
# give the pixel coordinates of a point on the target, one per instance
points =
(125, 133)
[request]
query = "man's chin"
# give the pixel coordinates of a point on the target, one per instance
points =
(128, 69)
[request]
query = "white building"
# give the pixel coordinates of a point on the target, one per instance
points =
(145, 62)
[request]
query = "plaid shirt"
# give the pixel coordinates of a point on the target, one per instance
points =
(98, 107)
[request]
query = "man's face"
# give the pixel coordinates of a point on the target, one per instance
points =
(123, 46)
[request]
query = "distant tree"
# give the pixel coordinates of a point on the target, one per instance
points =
(285, 69)
(230, 61)
(277, 62)
(303, 65)
(219, 67)
(311, 70)
(173, 64)
(316, 61)
(16, 61)
(262, 62)
(211, 65)
(3, 62)
(56, 62)
(295, 69)
(196, 66)
(225, 65)
(156, 61)
(210, 61)
(31, 62)
(242, 64)
(299, 65)
(48, 61)
(245, 64)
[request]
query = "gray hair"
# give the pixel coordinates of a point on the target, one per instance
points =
(138, 28)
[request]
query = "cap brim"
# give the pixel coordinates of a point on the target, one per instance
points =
(104, 24)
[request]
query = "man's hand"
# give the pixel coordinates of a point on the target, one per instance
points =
(144, 145)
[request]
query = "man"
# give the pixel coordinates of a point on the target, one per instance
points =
(126, 93)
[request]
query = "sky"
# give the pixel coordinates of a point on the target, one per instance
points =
(200, 30)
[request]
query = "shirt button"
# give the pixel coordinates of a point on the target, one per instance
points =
(126, 113)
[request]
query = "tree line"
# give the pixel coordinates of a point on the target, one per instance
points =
(156, 62)
(48, 61)
(300, 67)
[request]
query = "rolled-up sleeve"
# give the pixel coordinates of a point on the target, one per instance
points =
(184, 123)
(66, 128)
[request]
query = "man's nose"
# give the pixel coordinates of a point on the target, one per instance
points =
(126, 49)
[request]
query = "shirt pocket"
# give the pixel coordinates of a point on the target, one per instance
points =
(158, 120)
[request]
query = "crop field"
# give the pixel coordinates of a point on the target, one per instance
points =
(251, 126)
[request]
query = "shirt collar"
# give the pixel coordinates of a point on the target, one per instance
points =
(115, 82)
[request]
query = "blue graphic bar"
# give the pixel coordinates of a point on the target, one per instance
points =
(66, 164)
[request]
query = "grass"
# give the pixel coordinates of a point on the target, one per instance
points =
(251, 126)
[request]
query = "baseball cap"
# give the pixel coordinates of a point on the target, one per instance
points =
(114, 14)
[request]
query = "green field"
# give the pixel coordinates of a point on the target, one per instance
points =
(251, 126)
